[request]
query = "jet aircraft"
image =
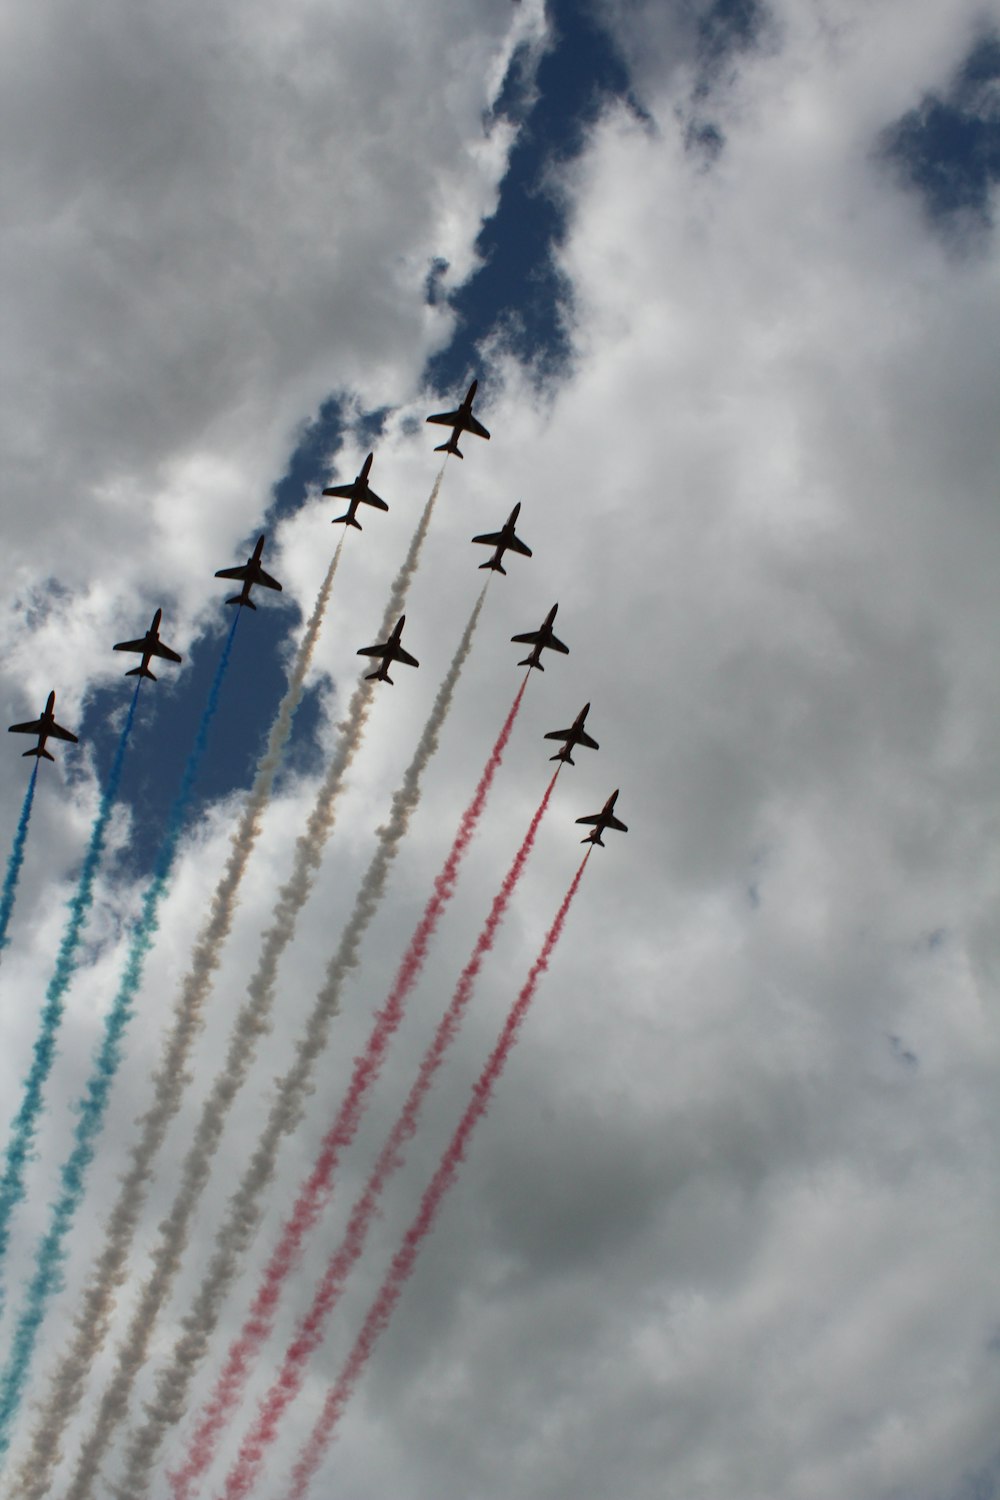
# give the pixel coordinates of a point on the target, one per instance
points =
(503, 540)
(251, 572)
(539, 639)
(460, 421)
(149, 645)
(358, 492)
(603, 820)
(574, 735)
(43, 727)
(390, 651)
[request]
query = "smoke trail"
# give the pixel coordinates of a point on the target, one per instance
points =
(92, 1322)
(388, 1295)
(16, 859)
(47, 1278)
(250, 1024)
(289, 1381)
(25, 1121)
(245, 1349)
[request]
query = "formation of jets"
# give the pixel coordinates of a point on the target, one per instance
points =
(359, 492)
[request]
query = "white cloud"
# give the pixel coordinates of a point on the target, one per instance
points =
(729, 1229)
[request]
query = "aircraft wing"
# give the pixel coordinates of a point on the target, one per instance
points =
(473, 426)
(447, 418)
(371, 650)
(406, 658)
(583, 738)
(370, 498)
(132, 646)
(265, 578)
(35, 727)
(556, 645)
(614, 822)
(516, 545)
(340, 491)
(597, 819)
(62, 734)
(159, 649)
(240, 572)
(491, 538)
(529, 637)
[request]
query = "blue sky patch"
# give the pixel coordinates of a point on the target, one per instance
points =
(947, 149)
(518, 287)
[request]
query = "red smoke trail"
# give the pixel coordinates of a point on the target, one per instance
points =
(286, 1386)
(389, 1293)
(245, 1349)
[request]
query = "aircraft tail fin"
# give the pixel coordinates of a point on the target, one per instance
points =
(449, 447)
(594, 838)
(141, 672)
(563, 754)
(239, 599)
(42, 754)
(379, 676)
(495, 564)
(347, 519)
(530, 662)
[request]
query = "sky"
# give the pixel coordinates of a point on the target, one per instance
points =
(727, 275)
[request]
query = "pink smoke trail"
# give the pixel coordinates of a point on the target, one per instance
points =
(245, 1349)
(289, 1381)
(389, 1293)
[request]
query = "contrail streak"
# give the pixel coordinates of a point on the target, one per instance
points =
(251, 1022)
(68, 1380)
(229, 1388)
(47, 1278)
(389, 1293)
(25, 1121)
(289, 1381)
(16, 858)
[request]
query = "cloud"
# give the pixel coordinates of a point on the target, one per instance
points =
(719, 1236)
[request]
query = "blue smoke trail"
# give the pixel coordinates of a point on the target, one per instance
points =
(16, 859)
(47, 1279)
(25, 1121)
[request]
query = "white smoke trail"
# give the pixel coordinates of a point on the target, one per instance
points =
(245, 1207)
(251, 1023)
(67, 1382)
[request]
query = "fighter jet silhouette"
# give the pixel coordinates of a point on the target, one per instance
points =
(358, 492)
(390, 651)
(149, 645)
(43, 727)
(459, 421)
(251, 572)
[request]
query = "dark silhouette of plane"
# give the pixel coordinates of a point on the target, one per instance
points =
(539, 639)
(358, 492)
(503, 540)
(390, 651)
(43, 727)
(574, 735)
(149, 645)
(459, 421)
(603, 820)
(251, 572)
